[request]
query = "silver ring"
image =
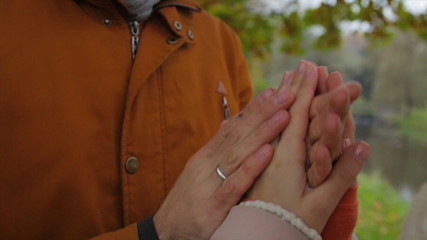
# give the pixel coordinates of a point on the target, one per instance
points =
(220, 174)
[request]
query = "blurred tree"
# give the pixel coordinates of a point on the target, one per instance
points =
(353, 59)
(256, 25)
(401, 80)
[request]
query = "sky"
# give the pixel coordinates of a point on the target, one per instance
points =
(416, 6)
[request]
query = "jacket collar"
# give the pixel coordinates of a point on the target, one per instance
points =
(187, 4)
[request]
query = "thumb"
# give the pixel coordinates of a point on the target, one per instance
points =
(342, 177)
(347, 168)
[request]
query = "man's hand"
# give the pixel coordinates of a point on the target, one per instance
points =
(331, 126)
(200, 200)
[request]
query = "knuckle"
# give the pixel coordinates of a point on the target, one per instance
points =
(333, 123)
(253, 105)
(231, 159)
(225, 191)
(263, 110)
(247, 170)
(236, 135)
(226, 130)
(315, 130)
(231, 133)
(260, 133)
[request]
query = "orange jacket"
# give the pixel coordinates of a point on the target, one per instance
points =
(78, 115)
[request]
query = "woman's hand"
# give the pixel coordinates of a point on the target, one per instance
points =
(200, 200)
(284, 182)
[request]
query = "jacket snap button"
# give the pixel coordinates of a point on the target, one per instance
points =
(132, 165)
(107, 21)
(177, 25)
(172, 40)
(190, 34)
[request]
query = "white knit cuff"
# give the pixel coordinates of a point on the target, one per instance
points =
(284, 214)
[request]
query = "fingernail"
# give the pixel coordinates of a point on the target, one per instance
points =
(302, 66)
(262, 152)
(278, 117)
(286, 78)
(281, 97)
(345, 143)
(266, 94)
(360, 154)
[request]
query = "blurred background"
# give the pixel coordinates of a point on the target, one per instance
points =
(383, 45)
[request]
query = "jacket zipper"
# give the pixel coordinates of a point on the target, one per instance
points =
(134, 30)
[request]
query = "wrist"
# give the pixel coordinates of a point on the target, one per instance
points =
(285, 215)
(161, 227)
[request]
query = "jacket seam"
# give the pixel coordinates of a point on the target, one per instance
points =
(125, 185)
(162, 130)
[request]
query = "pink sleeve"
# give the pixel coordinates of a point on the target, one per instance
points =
(250, 223)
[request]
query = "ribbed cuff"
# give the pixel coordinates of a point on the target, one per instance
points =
(284, 214)
(146, 229)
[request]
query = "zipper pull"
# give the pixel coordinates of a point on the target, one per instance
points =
(226, 109)
(134, 30)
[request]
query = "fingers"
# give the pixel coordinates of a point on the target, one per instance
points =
(349, 128)
(337, 100)
(240, 136)
(323, 77)
(266, 132)
(330, 128)
(340, 101)
(286, 80)
(238, 183)
(303, 85)
(355, 89)
(325, 197)
(325, 127)
(334, 80)
(321, 165)
(249, 119)
(347, 168)
(326, 130)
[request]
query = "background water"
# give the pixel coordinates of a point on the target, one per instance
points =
(398, 159)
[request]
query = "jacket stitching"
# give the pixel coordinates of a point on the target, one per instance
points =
(125, 183)
(162, 130)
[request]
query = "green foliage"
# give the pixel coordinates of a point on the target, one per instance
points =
(381, 210)
(362, 108)
(292, 33)
(414, 124)
(257, 27)
(260, 85)
(401, 73)
(255, 30)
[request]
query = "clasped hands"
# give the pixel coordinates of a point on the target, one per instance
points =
(312, 166)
